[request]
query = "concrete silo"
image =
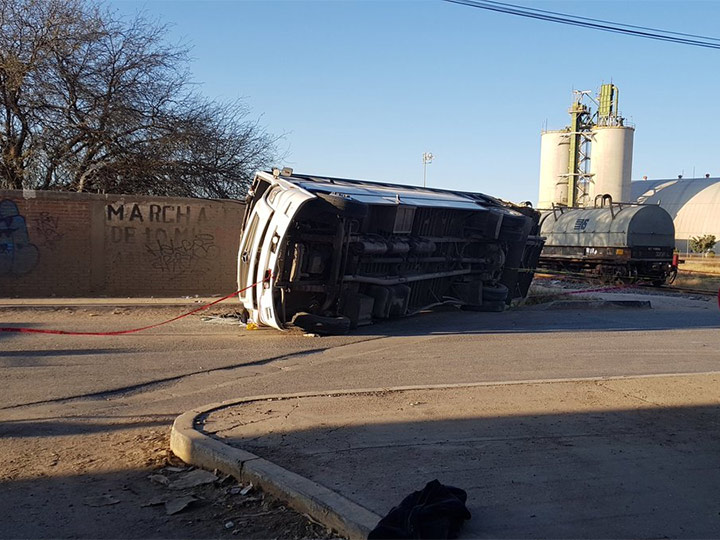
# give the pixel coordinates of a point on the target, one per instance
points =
(611, 161)
(590, 157)
(554, 156)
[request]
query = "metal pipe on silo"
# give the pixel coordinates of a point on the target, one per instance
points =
(554, 158)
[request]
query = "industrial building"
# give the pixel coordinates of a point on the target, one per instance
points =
(693, 203)
(593, 156)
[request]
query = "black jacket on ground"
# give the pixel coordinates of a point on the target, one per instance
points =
(437, 511)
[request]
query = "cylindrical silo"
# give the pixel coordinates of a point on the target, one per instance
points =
(611, 161)
(554, 156)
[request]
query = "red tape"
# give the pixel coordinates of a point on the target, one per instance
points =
(132, 330)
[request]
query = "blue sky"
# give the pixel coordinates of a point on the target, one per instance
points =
(362, 89)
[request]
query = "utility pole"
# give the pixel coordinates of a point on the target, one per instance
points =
(427, 158)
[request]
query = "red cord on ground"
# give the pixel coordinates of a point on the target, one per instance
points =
(132, 330)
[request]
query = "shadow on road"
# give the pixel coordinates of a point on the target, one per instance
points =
(49, 357)
(648, 473)
(450, 322)
(6, 335)
(63, 427)
(31, 353)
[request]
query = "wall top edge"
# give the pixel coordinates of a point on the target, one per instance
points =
(29, 194)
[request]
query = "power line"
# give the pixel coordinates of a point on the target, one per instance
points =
(595, 24)
(529, 9)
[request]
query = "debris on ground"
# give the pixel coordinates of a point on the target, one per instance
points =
(174, 506)
(159, 479)
(73, 478)
(238, 509)
(155, 501)
(102, 500)
(198, 477)
(234, 318)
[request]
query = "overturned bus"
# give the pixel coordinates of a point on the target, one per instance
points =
(330, 254)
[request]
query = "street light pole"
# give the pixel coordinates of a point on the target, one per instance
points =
(427, 158)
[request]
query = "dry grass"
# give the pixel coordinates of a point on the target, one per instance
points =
(705, 282)
(710, 265)
(699, 273)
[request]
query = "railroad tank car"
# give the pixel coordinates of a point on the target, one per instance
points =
(615, 241)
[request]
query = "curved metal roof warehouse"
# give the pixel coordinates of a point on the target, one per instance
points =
(693, 203)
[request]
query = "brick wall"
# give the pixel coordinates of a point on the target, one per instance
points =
(76, 244)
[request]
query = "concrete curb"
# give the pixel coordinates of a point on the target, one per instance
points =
(322, 504)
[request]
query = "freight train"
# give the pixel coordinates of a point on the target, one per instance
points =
(613, 241)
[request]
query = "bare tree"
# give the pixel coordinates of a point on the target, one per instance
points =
(90, 102)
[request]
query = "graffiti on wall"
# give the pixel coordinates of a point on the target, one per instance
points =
(17, 255)
(173, 238)
(188, 256)
(48, 230)
(155, 213)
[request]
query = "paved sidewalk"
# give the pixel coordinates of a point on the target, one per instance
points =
(100, 302)
(604, 458)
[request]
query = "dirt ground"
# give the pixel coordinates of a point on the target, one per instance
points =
(114, 483)
(66, 474)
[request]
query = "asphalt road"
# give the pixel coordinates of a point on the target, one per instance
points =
(75, 384)
(191, 363)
